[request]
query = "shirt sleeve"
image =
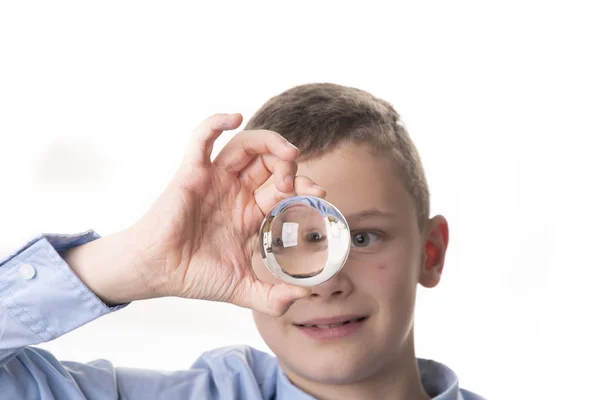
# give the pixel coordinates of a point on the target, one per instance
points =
(41, 298)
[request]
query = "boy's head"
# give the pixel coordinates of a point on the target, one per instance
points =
(355, 146)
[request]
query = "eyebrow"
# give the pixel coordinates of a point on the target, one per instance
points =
(368, 214)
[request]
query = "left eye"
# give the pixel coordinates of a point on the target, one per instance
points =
(364, 239)
(315, 236)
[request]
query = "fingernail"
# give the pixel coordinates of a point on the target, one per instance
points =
(289, 181)
(291, 145)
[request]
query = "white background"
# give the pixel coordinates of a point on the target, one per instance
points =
(97, 100)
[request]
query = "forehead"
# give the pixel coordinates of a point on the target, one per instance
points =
(357, 179)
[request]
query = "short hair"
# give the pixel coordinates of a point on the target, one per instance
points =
(316, 117)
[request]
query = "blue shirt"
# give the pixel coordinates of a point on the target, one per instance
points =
(41, 299)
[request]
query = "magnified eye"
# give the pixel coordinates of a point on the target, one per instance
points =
(363, 239)
(304, 240)
(315, 236)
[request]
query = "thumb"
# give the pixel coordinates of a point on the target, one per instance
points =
(276, 299)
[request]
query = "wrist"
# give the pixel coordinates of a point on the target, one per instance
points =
(111, 268)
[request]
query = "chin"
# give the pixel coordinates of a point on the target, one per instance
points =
(340, 368)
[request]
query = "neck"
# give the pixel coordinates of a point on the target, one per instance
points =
(398, 379)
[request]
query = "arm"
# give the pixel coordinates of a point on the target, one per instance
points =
(41, 299)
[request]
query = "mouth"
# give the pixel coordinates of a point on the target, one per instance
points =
(331, 325)
(332, 328)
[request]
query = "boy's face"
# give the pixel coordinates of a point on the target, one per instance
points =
(377, 284)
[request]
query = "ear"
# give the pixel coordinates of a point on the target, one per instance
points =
(435, 244)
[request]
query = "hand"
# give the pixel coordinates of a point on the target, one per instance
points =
(198, 238)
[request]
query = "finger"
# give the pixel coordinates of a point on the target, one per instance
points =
(265, 166)
(276, 299)
(203, 137)
(268, 196)
(245, 146)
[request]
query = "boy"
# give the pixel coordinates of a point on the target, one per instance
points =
(348, 338)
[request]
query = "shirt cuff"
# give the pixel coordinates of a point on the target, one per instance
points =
(40, 290)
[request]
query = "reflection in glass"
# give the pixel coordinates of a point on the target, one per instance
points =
(304, 240)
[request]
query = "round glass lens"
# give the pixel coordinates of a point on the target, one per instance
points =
(304, 240)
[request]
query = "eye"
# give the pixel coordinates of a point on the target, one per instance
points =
(277, 242)
(363, 239)
(315, 236)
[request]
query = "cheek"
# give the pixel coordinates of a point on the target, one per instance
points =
(263, 322)
(382, 273)
(272, 330)
(391, 275)
(391, 279)
(393, 286)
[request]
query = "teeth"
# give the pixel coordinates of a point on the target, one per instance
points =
(330, 326)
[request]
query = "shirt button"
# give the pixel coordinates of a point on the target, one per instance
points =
(27, 271)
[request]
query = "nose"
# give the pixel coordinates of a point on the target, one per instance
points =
(339, 286)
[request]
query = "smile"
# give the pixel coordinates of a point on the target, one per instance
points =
(329, 326)
(328, 330)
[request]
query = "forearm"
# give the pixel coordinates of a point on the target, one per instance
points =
(110, 267)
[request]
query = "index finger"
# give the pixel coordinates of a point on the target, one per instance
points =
(247, 145)
(204, 136)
